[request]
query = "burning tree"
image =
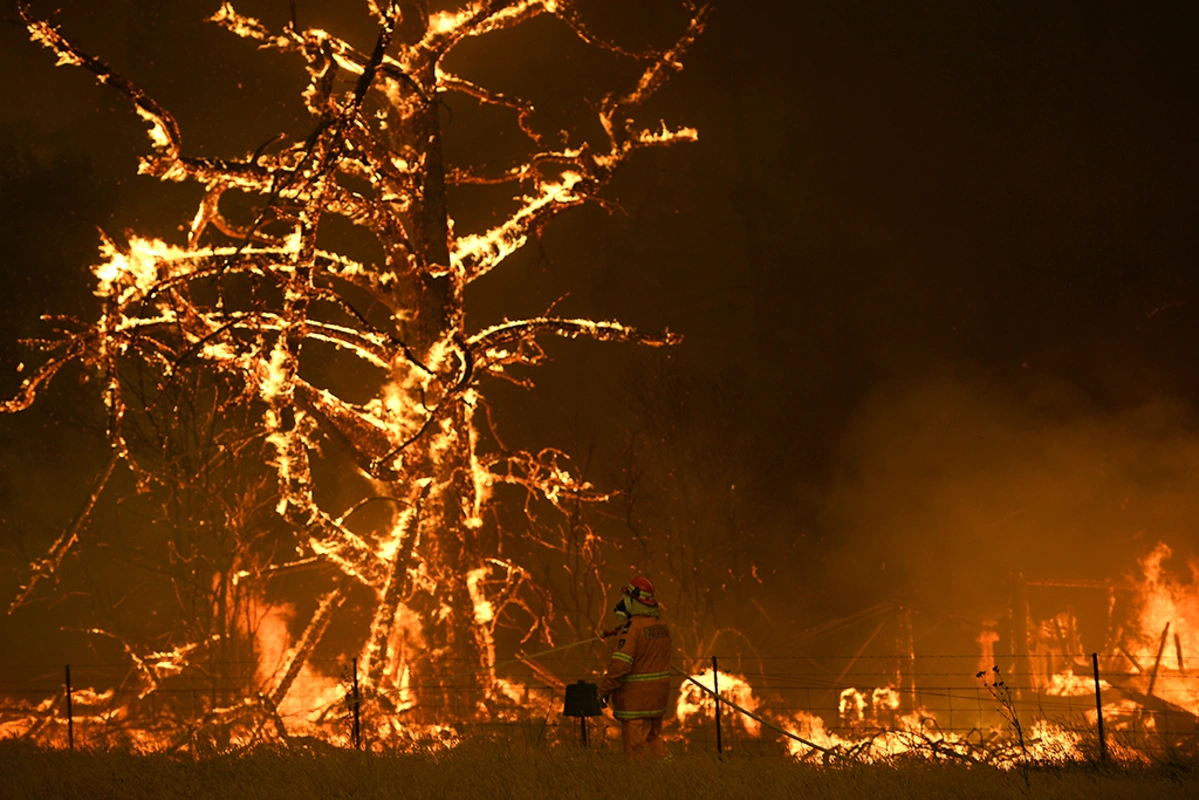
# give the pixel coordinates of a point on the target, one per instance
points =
(206, 351)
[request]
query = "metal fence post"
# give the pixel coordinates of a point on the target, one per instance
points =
(1099, 708)
(716, 691)
(70, 713)
(356, 731)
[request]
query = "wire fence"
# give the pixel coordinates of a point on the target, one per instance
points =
(835, 699)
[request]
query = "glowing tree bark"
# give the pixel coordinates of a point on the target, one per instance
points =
(244, 299)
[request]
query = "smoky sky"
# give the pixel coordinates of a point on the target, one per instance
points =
(935, 264)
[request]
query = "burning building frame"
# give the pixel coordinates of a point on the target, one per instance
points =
(1139, 632)
(232, 368)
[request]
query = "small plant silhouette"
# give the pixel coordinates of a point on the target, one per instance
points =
(993, 681)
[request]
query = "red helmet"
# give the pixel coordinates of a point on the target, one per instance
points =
(640, 588)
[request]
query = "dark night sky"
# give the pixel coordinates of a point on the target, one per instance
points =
(935, 263)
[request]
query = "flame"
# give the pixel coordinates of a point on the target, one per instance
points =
(125, 275)
(484, 613)
(168, 309)
(475, 254)
(443, 22)
(875, 731)
(1167, 606)
(986, 644)
(694, 703)
(852, 705)
(1067, 684)
(271, 638)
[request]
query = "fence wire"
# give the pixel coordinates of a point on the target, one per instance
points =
(844, 698)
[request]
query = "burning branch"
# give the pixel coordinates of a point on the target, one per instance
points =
(48, 567)
(163, 132)
(224, 329)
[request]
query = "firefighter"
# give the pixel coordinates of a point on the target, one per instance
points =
(637, 682)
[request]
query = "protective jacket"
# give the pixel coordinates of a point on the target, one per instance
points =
(638, 676)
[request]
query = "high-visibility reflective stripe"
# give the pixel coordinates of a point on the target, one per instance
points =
(647, 676)
(638, 714)
(623, 657)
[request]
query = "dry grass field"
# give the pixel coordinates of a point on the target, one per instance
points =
(499, 770)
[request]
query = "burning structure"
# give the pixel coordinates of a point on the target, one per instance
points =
(1140, 644)
(1042, 675)
(301, 411)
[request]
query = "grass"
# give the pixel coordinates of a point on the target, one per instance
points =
(481, 769)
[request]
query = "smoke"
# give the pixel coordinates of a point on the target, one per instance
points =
(946, 484)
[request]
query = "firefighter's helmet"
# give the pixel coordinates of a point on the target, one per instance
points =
(640, 588)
